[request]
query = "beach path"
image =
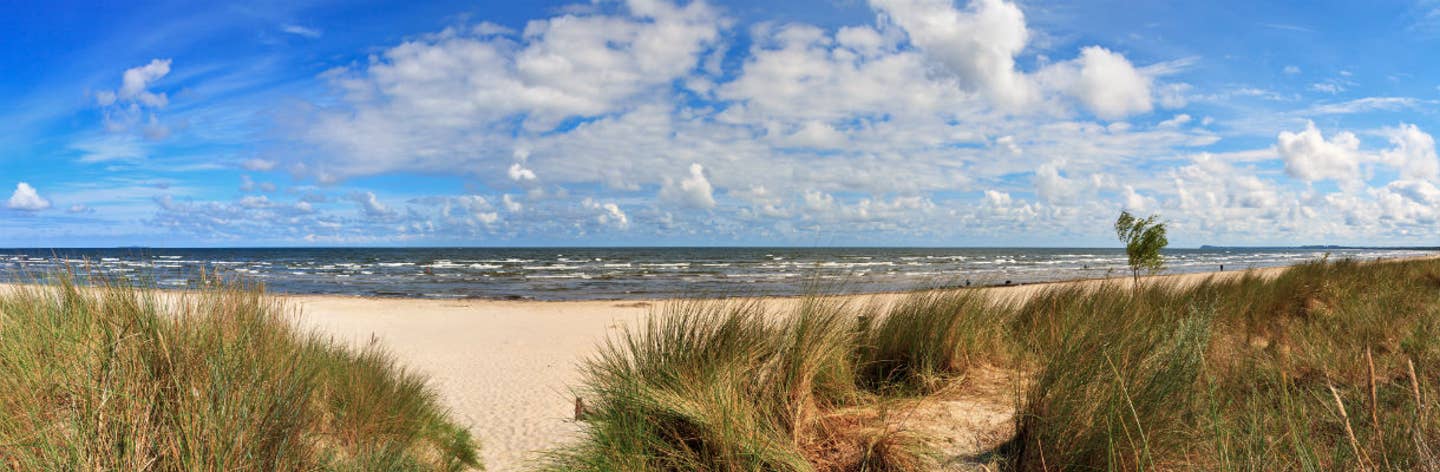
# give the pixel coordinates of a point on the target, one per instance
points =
(503, 368)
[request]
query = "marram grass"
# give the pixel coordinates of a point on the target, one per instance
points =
(1327, 366)
(1331, 365)
(111, 377)
(736, 386)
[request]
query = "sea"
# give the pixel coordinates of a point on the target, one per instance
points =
(627, 273)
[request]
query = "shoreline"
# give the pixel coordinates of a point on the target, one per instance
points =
(825, 293)
(551, 276)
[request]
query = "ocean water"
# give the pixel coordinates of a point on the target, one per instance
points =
(628, 273)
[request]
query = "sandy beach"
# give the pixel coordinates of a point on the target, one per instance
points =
(505, 368)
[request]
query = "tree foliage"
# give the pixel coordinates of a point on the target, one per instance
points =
(1143, 238)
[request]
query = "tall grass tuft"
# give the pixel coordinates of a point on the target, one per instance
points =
(1116, 381)
(734, 386)
(928, 339)
(112, 377)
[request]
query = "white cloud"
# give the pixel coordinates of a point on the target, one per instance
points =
(1331, 88)
(818, 202)
(610, 213)
(1413, 154)
(1310, 157)
(1008, 144)
(25, 198)
(519, 173)
(429, 101)
(1175, 95)
(1134, 201)
(1175, 122)
(978, 44)
(132, 107)
(370, 206)
(798, 80)
(134, 86)
(258, 165)
(111, 148)
(693, 191)
(486, 28)
(474, 206)
(1292, 70)
(882, 129)
(511, 204)
(816, 135)
(1104, 81)
(254, 201)
(1055, 189)
(1362, 105)
(298, 30)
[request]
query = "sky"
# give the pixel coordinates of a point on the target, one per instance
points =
(747, 122)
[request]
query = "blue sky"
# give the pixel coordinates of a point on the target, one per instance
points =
(651, 122)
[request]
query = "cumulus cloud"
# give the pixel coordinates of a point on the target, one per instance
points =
(997, 199)
(977, 44)
(1054, 188)
(1109, 85)
(511, 204)
(693, 191)
(519, 173)
(472, 209)
(1134, 201)
(25, 198)
(610, 214)
(1413, 153)
(132, 106)
(370, 205)
(1309, 156)
(818, 202)
(1104, 81)
(135, 84)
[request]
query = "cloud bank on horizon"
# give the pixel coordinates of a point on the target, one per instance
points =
(919, 122)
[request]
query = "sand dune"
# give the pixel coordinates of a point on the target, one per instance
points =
(506, 367)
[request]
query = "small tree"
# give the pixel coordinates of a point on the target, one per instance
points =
(1143, 240)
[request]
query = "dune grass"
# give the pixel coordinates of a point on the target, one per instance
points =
(111, 377)
(739, 386)
(927, 339)
(1331, 365)
(1310, 370)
